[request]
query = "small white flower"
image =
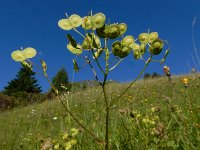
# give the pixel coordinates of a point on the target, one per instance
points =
(55, 118)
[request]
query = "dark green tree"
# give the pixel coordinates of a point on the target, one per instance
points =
(24, 82)
(155, 75)
(61, 79)
(147, 76)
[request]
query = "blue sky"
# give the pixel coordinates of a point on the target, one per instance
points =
(33, 23)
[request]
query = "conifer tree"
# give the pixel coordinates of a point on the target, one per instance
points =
(61, 78)
(24, 82)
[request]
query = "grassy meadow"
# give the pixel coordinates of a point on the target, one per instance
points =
(154, 114)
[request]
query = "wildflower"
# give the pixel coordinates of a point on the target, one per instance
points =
(153, 109)
(167, 71)
(68, 146)
(65, 136)
(138, 115)
(73, 142)
(152, 122)
(55, 118)
(74, 132)
(145, 120)
(56, 146)
(185, 81)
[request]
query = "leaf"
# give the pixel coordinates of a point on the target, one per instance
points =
(44, 66)
(92, 36)
(72, 40)
(76, 51)
(76, 68)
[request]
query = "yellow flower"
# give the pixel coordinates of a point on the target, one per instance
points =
(73, 142)
(153, 109)
(68, 146)
(74, 132)
(18, 56)
(29, 52)
(145, 120)
(65, 136)
(185, 80)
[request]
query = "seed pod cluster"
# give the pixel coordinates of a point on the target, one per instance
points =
(111, 31)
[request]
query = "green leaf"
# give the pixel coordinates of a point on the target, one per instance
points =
(44, 66)
(72, 40)
(76, 68)
(92, 36)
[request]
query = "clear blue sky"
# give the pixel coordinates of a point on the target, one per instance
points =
(33, 23)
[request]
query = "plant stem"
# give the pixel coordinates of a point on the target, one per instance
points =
(142, 71)
(107, 118)
(105, 96)
(116, 64)
(70, 113)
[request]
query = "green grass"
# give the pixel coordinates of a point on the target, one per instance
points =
(163, 116)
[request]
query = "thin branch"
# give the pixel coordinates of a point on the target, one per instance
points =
(140, 74)
(95, 74)
(116, 64)
(69, 112)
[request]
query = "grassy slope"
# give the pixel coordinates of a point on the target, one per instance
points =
(164, 116)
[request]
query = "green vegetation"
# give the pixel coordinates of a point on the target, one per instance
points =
(61, 80)
(24, 82)
(153, 114)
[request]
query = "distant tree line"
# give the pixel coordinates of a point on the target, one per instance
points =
(24, 88)
(150, 76)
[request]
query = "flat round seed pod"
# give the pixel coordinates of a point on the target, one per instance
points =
(123, 28)
(143, 37)
(135, 46)
(64, 24)
(18, 56)
(29, 52)
(75, 20)
(128, 40)
(98, 20)
(113, 31)
(152, 36)
(87, 23)
(156, 47)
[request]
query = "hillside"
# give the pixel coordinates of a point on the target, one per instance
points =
(153, 114)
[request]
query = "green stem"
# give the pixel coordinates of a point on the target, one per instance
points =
(79, 33)
(142, 71)
(70, 113)
(107, 118)
(116, 64)
(106, 98)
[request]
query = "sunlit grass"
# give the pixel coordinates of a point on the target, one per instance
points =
(153, 114)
